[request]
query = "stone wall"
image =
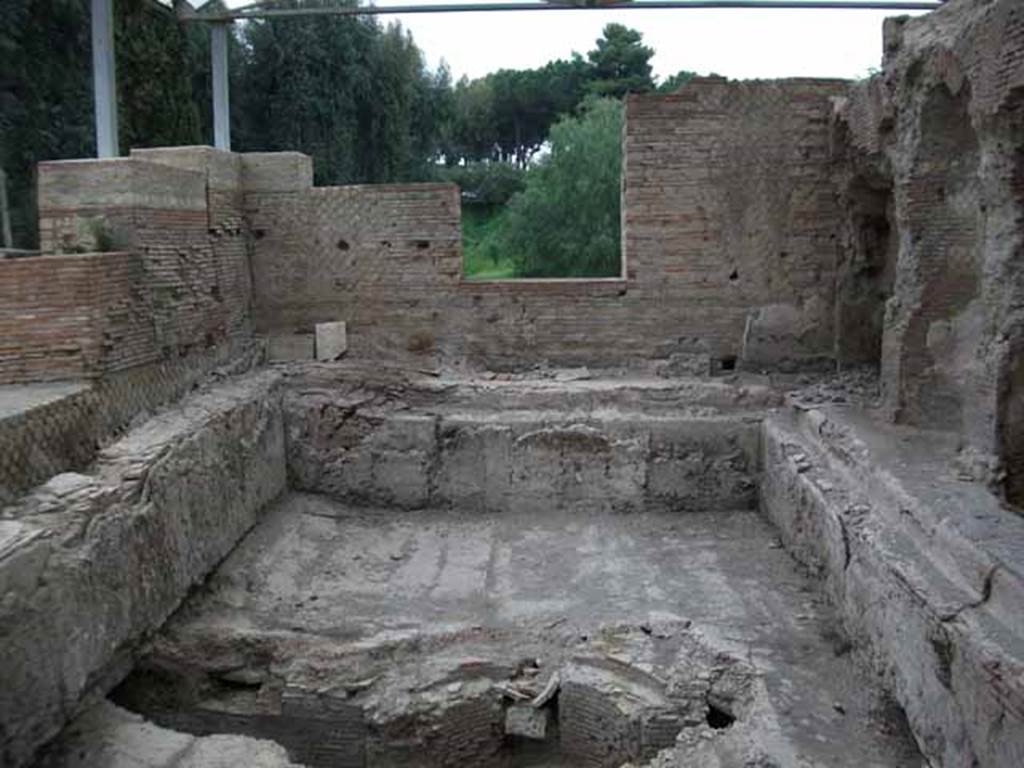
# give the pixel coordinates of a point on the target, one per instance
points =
(520, 461)
(729, 246)
(90, 563)
(936, 139)
(924, 569)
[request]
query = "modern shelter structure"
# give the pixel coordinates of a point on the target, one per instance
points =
(219, 21)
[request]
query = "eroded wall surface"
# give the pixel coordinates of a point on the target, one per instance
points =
(937, 152)
(562, 454)
(90, 563)
(729, 250)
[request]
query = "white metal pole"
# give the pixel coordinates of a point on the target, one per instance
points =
(221, 97)
(104, 78)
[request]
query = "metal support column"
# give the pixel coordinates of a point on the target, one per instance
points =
(221, 98)
(104, 78)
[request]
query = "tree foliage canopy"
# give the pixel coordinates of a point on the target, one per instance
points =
(355, 95)
(565, 222)
(621, 63)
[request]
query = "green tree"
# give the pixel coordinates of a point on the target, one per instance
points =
(674, 82)
(485, 183)
(355, 96)
(565, 85)
(304, 85)
(45, 104)
(155, 103)
(621, 63)
(473, 135)
(565, 223)
(506, 115)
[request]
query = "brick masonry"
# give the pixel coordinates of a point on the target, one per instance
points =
(767, 225)
(729, 243)
(729, 247)
(143, 325)
(65, 432)
(180, 285)
(71, 316)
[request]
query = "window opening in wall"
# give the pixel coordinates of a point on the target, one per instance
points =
(537, 155)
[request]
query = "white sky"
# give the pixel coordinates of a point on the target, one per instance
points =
(736, 43)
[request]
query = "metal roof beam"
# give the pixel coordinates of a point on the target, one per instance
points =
(266, 11)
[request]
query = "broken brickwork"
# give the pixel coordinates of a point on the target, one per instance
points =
(935, 166)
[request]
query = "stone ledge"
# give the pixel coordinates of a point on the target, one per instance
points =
(943, 634)
(90, 563)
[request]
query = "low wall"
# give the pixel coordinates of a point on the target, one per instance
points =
(91, 563)
(923, 568)
(558, 454)
(46, 429)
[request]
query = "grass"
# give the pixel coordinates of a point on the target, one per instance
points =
(477, 222)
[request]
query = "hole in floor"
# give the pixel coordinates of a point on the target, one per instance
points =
(447, 701)
(718, 718)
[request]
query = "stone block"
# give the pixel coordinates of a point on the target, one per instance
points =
(125, 182)
(527, 721)
(222, 168)
(331, 341)
(276, 171)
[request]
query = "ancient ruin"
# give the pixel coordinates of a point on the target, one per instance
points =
(279, 487)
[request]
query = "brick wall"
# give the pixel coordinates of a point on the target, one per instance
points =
(182, 286)
(387, 258)
(729, 242)
(142, 326)
(71, 316)
(215, 300)
(731, 216)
